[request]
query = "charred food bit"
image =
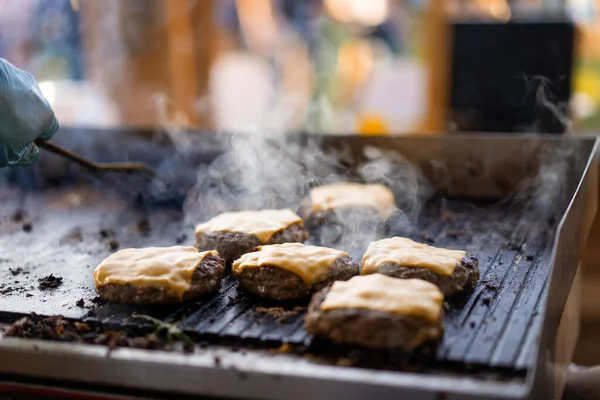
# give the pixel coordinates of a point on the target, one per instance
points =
(377, 311)
(339, 202)
(158, 275)
(27, 226)
(19, 215)
(452, 270)
(291, 271)
(235, 233)
(143, 226)
(106, 233)
(49, 282)
(59, 329)
(113, 244)
(80, 303)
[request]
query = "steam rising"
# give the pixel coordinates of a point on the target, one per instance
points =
(265, 170)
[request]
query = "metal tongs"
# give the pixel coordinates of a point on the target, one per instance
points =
(128, 167)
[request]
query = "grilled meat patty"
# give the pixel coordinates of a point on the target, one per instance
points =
(367, 217)
(464, 277)
(369, 328)
(269, 279)
(205, 279)
(236, 233)
(451, 270)
(232, 245)
(331, 211)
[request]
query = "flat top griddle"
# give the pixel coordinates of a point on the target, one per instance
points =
(492, 328)
(498, 337)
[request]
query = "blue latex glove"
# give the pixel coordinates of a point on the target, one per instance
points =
(25, 115)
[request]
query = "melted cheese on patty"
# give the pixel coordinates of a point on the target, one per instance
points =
(340, 195)
(407, 253)
(159, 267)
(377, 292)
(310, 263)
(263, 224)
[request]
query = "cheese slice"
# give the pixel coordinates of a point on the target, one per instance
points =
(340, 195)
(377, 292)
(310, 263)
(263, 224)
(159, 267)
(407, 253)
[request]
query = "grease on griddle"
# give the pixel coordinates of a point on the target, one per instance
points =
(99, 300)
(105, 233)
(49, 282)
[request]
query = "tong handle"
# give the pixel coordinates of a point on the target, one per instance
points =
(98, 167)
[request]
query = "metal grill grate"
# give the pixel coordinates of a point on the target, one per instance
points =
(492, 327)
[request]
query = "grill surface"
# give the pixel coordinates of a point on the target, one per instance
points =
(494, 327)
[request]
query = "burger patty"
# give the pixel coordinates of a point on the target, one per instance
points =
(465, 275)
(272, 282)
(348, 215)
(206, 279)
(369, 328)
(231, 245)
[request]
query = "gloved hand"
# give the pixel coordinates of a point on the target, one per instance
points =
(25, 115)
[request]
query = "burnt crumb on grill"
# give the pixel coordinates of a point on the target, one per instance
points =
(28, 295)
(490, 286)
(57, 328)
(27, 226)
(486, 301)
(515, 246)
(113, 244)
(19, 215)
(455, 233)
(143, 226)
(105, 233)
(448, 215)
(181, 238)
(426, 237)
(472, 324)
(285, 348)
(529, 257)
(6, 290)
(203, 345)
(217, 360)
(80, 303)
(99, 300)
(344, 362)
(49, 282)
(279, 312)
(18, 271)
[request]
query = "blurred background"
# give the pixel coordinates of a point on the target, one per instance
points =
(374, 66)
(337, 66)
